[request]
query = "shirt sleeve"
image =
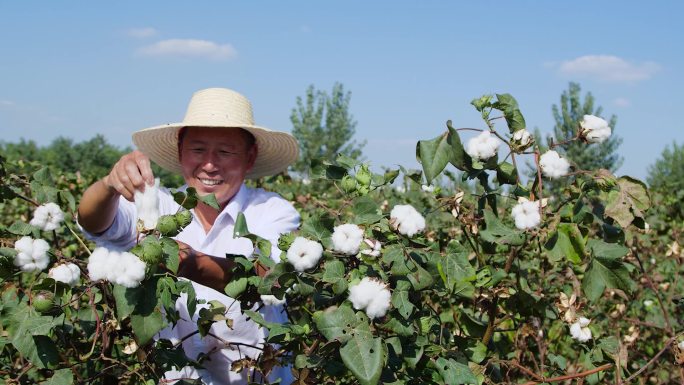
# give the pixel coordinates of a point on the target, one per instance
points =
(121, 234)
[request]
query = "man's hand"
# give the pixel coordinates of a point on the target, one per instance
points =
(132, 172)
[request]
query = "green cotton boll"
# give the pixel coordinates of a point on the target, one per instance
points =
(364, 176)
(43, 301)
(183, 218)
(167, 225)
(285, 240)
(152, 253)
(348, 184)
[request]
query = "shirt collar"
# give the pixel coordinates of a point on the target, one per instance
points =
(236, 204)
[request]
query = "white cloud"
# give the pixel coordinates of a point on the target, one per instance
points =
(190, 48)
(609, 68)
(7, 103)
(142, 32)
(622, 102)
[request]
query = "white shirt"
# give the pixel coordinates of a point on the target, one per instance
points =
(268, 215)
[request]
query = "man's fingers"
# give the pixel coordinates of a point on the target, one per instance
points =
(143, 163)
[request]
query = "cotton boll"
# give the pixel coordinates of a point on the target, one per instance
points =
(371, 295)
(32, 254)
(99, 264)
(483, 146)
(594, 129)
(407, 220)
(272, 300)
(580, 330)
(526, 214)
(553, 166)
(347, 238)
(522, 137)
(374, 247)
(304, 254)
(132, 270)
(67, 273)
(47, 217)
(147, 205)
(380, 304)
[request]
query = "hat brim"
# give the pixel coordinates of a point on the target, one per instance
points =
(276, 150)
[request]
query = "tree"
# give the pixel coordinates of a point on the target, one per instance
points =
(666, 180)
(568, 117)
(324, 127)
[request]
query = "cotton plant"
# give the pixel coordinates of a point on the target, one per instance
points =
(372, 296)
(374, 247)
(47, 217)
(272, 300)
(553, 165)
(32, 254)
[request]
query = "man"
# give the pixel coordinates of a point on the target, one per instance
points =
(215, 148)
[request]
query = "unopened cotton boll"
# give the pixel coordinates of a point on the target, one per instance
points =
(147, 205)
(272, 300)
(47, 217)
(32, 254)
(407, 220)
(553, 165)
(526, 214)
(67, 273)
(372, 295)
(594, 129)
(483, 146)
(580, 330)
(304, 254)
(347, 238)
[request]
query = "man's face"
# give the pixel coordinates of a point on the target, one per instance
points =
(216, 160)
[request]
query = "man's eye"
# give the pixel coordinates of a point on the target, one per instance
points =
(228, 153)
(197, 150)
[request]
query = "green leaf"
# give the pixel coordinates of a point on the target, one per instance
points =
(456, 267)
(20, 228)
(420, 278)
(67, 198)
(497, 232)
(366, 211)
(210, 200)
(28, 332)
(606, 270)
(43, 176)
(459, 158)
(346, 161)
(333, 272)
(363, 355)
(187, 199)
(400, 298)
(170, 253)
(393, 256)
(336, 323)
(318, 227)
(396, 325)
(509, 106)
(506, 173)
(240, 229)
(147, 326)
(454, 372)
(434, 155)
(630, 200)
(236, 287)
(566, 242)
(390, 176)
(60, 377)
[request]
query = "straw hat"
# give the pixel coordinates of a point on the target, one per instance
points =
(220, 108)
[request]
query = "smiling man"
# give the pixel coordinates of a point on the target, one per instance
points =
(215, 148)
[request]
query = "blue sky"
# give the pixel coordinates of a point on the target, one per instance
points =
(80, 68)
